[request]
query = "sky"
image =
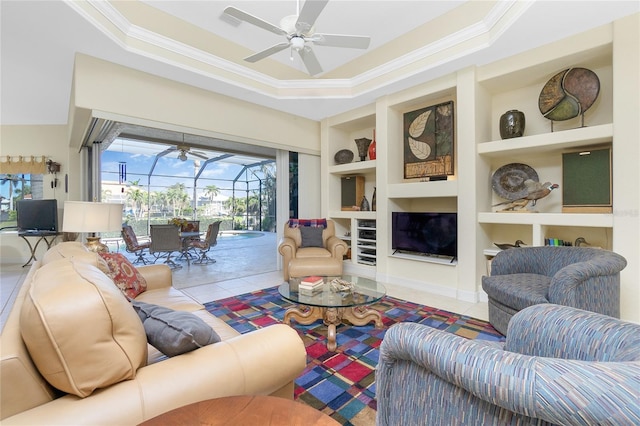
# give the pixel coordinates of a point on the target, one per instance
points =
(169, 170)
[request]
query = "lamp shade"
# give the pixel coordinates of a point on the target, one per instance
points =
(87, 216)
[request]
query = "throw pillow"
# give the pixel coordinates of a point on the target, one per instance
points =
(174, 332)
(124, 275)
(314, 223)
(311, 237)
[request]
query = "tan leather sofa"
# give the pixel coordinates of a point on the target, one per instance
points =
(83, 333)
(299, 261)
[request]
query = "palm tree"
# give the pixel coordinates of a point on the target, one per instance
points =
(177, 195)
(211, 191)
(12, 180)
(137, 197)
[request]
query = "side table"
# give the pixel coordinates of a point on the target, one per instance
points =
(244, 410)
(41, 237)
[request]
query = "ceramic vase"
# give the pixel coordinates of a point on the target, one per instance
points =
(363, 147)
(512, 124)
(372, 147)
(373, 200)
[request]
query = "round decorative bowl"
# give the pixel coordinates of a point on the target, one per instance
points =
(343, 156)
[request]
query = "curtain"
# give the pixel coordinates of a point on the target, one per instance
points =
(22, 165)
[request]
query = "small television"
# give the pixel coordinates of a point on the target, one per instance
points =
(425, 233)
(37, 216)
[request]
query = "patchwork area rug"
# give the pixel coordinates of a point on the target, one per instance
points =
(342, 383)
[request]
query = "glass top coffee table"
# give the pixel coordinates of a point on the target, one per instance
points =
(332, 305)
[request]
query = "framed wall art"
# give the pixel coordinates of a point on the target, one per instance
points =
(429, 142)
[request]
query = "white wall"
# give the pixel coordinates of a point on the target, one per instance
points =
(308, 186)
(51, 142)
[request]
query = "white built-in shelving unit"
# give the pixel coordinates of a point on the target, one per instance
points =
(481, 95)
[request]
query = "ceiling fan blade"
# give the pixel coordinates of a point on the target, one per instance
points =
(309, 13)
(244, 16)
(267, 52)
(310, 60)
(199, 155)
(339, 40)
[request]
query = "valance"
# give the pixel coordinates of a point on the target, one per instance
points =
(22, 164)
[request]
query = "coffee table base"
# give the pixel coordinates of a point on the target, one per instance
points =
(332, 317)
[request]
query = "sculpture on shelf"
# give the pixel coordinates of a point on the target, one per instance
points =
(363, 147)
(505, 246)
(581, 242)
(569, 94)
(364, 204)
(535, 191)
(343, 156)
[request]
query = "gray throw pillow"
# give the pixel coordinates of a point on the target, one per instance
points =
(174, 332)
(311, 236)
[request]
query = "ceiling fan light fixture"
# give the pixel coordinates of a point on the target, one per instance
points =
(297, 43)
(182, 156)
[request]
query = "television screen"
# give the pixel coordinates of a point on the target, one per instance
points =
(425, 233)
(37, 216)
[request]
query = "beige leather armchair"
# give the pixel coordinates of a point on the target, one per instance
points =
(299, 259)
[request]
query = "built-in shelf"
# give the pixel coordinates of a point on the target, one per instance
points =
(348, 214)
(446, 188)
(598, 220)
(426, 258)
(548, 142)
(351, 168)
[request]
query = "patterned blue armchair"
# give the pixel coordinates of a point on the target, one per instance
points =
(582, 277)
(559, 365)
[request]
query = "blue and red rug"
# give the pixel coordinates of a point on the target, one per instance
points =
(342, 383)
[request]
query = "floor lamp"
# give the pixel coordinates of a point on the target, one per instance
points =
(92, 217)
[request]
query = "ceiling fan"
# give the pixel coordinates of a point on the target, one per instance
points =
(183, 150)
(300, 34)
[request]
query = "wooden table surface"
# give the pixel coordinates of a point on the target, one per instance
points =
(242, 411)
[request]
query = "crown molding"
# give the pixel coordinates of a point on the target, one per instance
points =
(132, 38)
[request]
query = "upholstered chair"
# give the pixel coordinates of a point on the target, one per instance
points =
(558, 366)
(582, 277)
(311, 248)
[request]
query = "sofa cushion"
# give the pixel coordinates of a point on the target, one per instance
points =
(311, 236)
(174, 332)
(124, 275)
(79, 329)
(517, 291)
(75, 250)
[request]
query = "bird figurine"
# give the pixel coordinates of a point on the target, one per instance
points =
(505, 246)
(535, 191)
(581, 242)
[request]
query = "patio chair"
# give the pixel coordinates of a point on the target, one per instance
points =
(134, 246)
(203, 246)
(165, 240)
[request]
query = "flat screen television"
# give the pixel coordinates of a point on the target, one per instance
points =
(425, 233)
(37, 216)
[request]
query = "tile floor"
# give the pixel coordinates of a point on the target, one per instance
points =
(243, 264)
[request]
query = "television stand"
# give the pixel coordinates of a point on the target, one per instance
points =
(41, 236)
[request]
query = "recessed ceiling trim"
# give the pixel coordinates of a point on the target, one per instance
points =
(239, 76)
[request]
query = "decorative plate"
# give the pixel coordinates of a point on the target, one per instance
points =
(508, 180)
(568, 94)
(343, 156)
